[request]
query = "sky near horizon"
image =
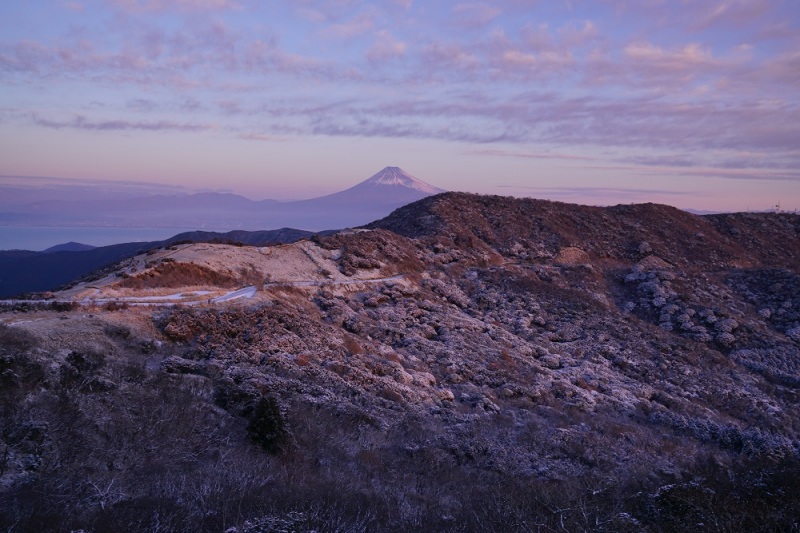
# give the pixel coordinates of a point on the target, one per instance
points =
(690, 103)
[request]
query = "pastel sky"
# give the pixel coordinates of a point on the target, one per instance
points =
(686, 102)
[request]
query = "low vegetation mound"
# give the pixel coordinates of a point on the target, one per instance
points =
(174, 275)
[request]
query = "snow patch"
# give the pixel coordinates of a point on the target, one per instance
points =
(395, 176)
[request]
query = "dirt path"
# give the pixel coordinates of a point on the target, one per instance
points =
(181, 298)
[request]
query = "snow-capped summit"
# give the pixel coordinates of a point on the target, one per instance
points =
(374, 197)
(398, 176)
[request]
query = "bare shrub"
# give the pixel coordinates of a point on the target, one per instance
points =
(352, 345)
(115, 306)
(250, 275)
(16, 339)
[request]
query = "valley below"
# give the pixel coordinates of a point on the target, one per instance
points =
(468, 363)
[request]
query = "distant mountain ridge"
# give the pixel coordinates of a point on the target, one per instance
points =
(69, 247)
(369, 200)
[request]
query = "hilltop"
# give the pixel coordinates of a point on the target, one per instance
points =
(468, 363)
(29, 272)
(530, 227)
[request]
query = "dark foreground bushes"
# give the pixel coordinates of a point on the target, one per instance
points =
(168, 461)
(110, 442)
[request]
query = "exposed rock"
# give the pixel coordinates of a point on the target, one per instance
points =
(653, 262)
(179, 365)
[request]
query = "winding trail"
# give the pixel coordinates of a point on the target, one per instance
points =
(180, 298)
(246, 292)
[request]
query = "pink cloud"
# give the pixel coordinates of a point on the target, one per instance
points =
(576, 34)
(709, 172)
(326, 11)
(784, 68)
(571, 35)
(549, 60)
(537, 37)
(385, 47)
(75, 6)
(607, 193)
(353, 27)
(182, 5)
(734, 12)
(142, 105)
(532, 155)
(260, 137)
(230, 107)
(689, 56)
(690, 68)
(448, 56)
(311, 14)
(80, 56)
(573, 82)
(475, 13)
(535, 56)
(182, 59)
(697, 16)
(82, 123)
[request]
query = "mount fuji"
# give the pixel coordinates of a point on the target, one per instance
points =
(391, 188)
(398, 179)
(85, 206)
(364, 202)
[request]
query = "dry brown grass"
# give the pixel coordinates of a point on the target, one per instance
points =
(571, 256)
(173, 275)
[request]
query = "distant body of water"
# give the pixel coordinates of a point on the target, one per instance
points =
(38, 239)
